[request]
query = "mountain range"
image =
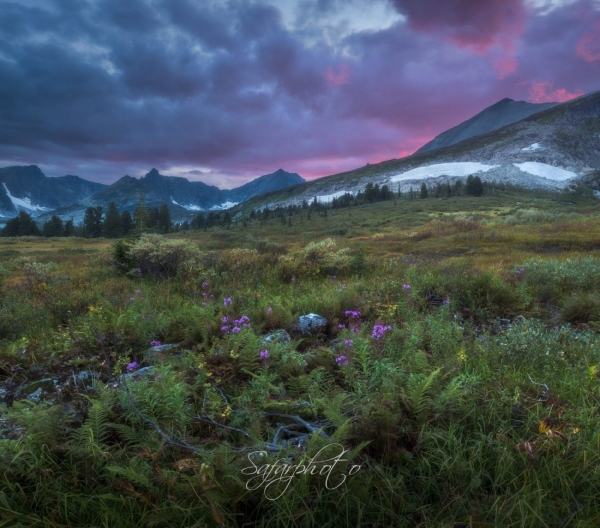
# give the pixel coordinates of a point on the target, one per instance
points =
(550, 146)
(28, 189)
(550, 149)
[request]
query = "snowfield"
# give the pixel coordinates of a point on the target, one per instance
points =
(327, 198)
(188, 207)
(532, 147)
(223, 206)
(543, 170)
(459, 168)
(24, 203)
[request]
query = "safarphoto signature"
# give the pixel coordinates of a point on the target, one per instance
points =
(276, 478)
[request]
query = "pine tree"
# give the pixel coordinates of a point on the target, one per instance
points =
(22, 225)
(69, 228)
(165, 223)
(126, 223)
(424, 192)
(53, 227)
(112, 222)
(140, 215)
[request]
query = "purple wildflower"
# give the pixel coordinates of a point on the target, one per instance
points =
(138, 291)
(333, 277)
(348, 342)
(133, 366)
(293, 279)
(205, 284)
(224, 328)
(204, 294)
(269, 310)
(211, 296)
(406, 286)
(341, 326)
(227, 301)
(132, 298)
(341, 360)
(225, 319)
(379, 331)
(236, 330)
(264, 354)
(155, 342)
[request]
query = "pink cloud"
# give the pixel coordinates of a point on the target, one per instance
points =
(588, 46)
(337, 77)
(504, 66)
(487, 28)
(543, 92)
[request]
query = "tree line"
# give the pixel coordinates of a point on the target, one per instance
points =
(96, 223)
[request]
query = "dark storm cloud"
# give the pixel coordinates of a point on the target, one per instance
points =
(467, 22)
(104, 87)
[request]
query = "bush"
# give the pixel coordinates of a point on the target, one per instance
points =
(158, 256)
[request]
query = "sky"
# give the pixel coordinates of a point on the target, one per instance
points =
(225, 91)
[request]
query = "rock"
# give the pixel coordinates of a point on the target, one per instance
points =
(146, 371)
(36, 395)
(504, 324)
(45, 385)
(157, 351)
(312, 323)
(277, 336)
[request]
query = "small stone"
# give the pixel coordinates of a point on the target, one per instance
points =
(36, 395)
(277, 336)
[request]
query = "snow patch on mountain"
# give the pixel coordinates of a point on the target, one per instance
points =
(461, 168)
(543, 170)
(223, 206)
(328, 198)
(188, 207)
(24, 203)
(532, 147)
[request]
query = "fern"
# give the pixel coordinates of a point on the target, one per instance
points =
(417, 395)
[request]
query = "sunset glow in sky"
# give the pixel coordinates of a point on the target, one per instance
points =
(225, 91)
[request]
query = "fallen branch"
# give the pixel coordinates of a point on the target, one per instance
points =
(302, 422)
(176, 443)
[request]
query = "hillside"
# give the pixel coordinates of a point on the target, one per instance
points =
(550, 149)
(504, 112)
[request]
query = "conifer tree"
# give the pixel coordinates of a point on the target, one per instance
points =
(112, 222)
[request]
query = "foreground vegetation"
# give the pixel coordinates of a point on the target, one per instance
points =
(458, 368)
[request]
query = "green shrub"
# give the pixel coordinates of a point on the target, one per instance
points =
(157, 256)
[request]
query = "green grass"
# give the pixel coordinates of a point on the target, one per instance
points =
(455, 417)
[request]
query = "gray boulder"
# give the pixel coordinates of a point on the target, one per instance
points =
(277, 336)
(312, 324)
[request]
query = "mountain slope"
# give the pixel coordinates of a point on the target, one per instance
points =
(504, 112)
(29, 189)
(549, 149)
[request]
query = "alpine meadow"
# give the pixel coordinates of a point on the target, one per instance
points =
(282, 263)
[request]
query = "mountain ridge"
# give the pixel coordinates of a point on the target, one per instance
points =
(502, 113)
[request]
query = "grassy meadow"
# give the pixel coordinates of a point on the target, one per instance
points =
(456, 376)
